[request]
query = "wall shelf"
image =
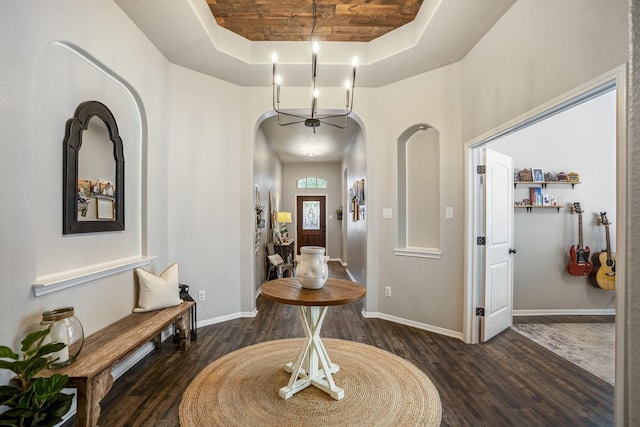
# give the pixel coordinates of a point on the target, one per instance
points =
(529, 208)
(66, 279)
(544, 184)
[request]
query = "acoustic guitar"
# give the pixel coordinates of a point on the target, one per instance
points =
(604, 262)
(579, 264)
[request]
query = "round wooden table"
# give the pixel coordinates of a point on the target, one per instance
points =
(313, 366)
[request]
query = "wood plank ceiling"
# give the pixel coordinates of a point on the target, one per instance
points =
(291, 20)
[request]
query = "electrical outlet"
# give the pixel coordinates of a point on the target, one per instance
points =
(202, 295)
(387, 291)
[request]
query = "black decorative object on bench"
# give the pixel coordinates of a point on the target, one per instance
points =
(184, 294)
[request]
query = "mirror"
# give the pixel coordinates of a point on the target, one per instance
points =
(93, 174)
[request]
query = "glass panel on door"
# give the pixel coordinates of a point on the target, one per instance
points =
(311, 220)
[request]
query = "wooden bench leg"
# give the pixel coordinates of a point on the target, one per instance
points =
(90, 393)
(183, 326)
(101, 386)
(83, 409)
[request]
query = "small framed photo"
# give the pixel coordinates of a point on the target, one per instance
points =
(538, 175)
(106, 208)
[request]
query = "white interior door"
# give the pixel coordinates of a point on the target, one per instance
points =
(498, 218)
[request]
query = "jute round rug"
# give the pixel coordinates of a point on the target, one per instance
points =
(241, 389)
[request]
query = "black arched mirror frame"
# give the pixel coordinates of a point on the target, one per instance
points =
(72, 144)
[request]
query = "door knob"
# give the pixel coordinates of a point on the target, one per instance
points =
(512, 251)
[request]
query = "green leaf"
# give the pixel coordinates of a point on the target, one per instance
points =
(25, 401)
(34, 367)
(46, 349)
(40, 401)
(47, 387)
(30, 339)
(19, 367)
(7, 353)
(8, 393)
(58, 405)
(4, 364)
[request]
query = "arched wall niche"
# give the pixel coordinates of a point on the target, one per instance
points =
(418, 219)
(80, 259)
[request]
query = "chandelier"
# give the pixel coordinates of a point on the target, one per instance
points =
(313, 119)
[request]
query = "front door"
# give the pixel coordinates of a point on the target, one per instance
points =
(310, 221)
(498, 282)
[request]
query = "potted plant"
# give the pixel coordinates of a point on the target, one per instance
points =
(33, 401)
(339, 213)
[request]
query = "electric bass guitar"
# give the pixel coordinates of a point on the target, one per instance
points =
(604, 262)
(579, 264)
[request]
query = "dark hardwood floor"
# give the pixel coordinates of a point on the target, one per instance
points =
(509, 381)
(565, 319)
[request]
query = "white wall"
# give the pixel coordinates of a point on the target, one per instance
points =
(538, 50)
(41, 84)
(419, 290)
(355, 232)
(582, 140)
(203, 187)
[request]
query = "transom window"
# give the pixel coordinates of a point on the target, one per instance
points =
(312, 182)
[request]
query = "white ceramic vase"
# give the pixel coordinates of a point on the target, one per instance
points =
(312, 270)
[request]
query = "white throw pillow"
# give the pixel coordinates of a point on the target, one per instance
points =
(275, 259)
(158, 292)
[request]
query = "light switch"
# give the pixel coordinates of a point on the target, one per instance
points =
(387, 213)
(448, 212)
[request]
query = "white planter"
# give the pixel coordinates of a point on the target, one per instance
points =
(312, 270)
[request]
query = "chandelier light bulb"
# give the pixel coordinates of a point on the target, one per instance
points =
(354, 61)
(274, 57)
(315, 47)
(315, 93)
(347, 85)
(278, 79)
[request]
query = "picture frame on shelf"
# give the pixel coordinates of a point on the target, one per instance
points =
(537, 174)
(524, 175)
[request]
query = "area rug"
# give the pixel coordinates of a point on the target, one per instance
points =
(591, 346)
(241, 389)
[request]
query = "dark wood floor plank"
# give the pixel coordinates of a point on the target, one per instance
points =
(565, 319)
(509, 381)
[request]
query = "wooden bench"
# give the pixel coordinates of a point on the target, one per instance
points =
(90, 374)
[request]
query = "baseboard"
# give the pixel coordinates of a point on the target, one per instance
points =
(353, 279)
(225, 318)
(567, 312)
(414, 324)
(367, 315)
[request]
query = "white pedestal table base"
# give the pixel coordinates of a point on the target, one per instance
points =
(313, 366)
